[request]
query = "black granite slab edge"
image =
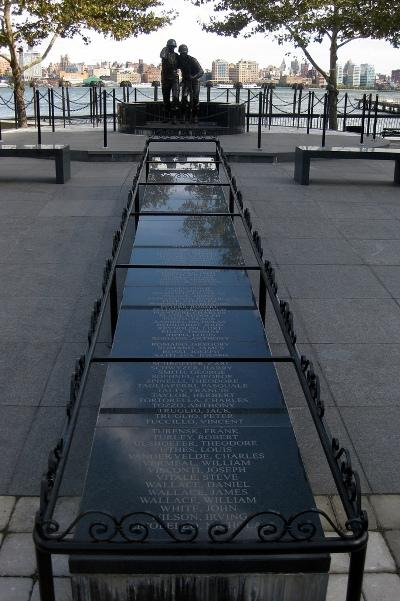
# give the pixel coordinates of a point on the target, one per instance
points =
(210, 564)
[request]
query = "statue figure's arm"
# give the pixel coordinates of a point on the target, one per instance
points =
(199, 69)
(164, 52)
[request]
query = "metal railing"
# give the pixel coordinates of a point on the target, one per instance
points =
(296, 534)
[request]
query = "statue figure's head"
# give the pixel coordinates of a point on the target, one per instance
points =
(183, 49)
(171, 45)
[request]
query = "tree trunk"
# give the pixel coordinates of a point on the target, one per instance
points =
(19, 88)
(332, 83)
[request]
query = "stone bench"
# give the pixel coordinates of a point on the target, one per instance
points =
(60, 153)
(304, 154)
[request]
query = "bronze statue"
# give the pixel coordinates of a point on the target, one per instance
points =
(191, 72)
(170, 81)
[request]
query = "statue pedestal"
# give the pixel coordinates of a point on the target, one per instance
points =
(215, 118)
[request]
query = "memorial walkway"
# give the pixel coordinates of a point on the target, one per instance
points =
(336, 248)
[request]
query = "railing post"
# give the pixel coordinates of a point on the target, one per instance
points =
(63, 103)
(369, 113)
(100, 103)
(135, 94)
(259, 120)
(270, 108)
(324, 119)
(208, 93)
(294, 103)
(123, 93)
(345, 111)
(39, 127)
(155, 92)
(49, 105)
(68, 106)
(127, 93)
(265, 104)
(91, 104)
(53, 121)
(0, 131)
(45, 574)
(308, 112)
(375, 117)
(227, 94)
(299, 108)
(105, 118)
(364, 101)
(262, 298)
(312, 109)
(34, 104)
(231, 201)
(248, 111)
(115, 110)
(356, 572)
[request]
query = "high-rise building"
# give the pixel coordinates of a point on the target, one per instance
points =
(304, 69)
(395, 77)
(244, 71)
(351, 74)
(25, 58)
(220, 70)
(294, 67)
(367, 75)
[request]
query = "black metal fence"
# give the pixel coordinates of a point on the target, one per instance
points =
(296, 109)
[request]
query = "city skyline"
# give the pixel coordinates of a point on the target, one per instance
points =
(206, 46)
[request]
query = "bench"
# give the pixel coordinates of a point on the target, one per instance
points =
(59, 152)
(304, 154)
(391, 135)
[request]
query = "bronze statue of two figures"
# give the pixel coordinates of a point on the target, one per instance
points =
(191, 72)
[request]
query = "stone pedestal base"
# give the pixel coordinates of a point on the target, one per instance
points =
(188, 587)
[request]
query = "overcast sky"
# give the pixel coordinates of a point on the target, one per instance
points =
(207, 46)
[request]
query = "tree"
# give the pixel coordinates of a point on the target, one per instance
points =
(302, 22)
(34, 21)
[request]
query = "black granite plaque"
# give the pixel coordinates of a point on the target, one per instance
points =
(198, 475)
(187, 256)
(164, 332)
(191, 387)
(190, 231)
(212, 278)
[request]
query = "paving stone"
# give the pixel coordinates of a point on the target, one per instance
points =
(17, 555)
(369, 229)
(23, 516)
(348, 369)
(375, 432)
(298, 228)
(15, 589)
(387, 509)
(378, 252)
(341, 515)
(331, 281)
(379, 558)
(349, 321)
(323, 502)
(313, 251)
(339, 561)
(389, 275)
(393, 540)
(62, 588)
(6, 507)
(337, 586)
(14, 428)
(345, 209)
(24, 370)
(381, 587)
(32, 461)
